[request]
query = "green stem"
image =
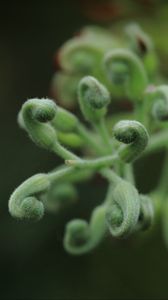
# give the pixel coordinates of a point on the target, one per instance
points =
(129, 173)
(109, 190)
(97, 163)
(59, 173)
(102, 129)
(70, 175)
(111, 176)
(158, 205)
(63, 152)
(89, 139)
(140, 111)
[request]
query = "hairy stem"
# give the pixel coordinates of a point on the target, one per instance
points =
(102, 129)
(97, 163)
(129, 173)
(63, 152)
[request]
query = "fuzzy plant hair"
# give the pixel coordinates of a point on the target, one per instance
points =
(98, 71)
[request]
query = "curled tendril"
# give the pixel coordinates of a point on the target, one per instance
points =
(123, 209)
(81, 237)
(159, 97)
(141, 43)
(23, 203)
(78, 55)
(33, 117)
(146, 213)
(101, 37)
(125, 69)
(135, 135)
(93, 98)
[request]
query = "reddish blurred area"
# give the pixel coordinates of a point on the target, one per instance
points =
(107, 10)
(101, 10)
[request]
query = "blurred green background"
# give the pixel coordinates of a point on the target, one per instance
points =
(33, 263)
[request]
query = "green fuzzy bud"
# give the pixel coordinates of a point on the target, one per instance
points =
(34, 117)
(22, 203)
(135, 135)
(93, 98)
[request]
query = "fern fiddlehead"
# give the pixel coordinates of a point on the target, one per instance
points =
(34, 117)
(81, 237)
(24, 203)
(159, 98)
(125, 72)
(122, 205)
(93, 99)
(135, 135)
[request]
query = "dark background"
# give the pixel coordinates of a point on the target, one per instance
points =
(33, 263)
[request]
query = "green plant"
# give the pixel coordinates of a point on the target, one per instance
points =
(109, 145)
(84, 55)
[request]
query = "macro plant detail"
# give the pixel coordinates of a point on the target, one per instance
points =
(89, 53)
(99, 71)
